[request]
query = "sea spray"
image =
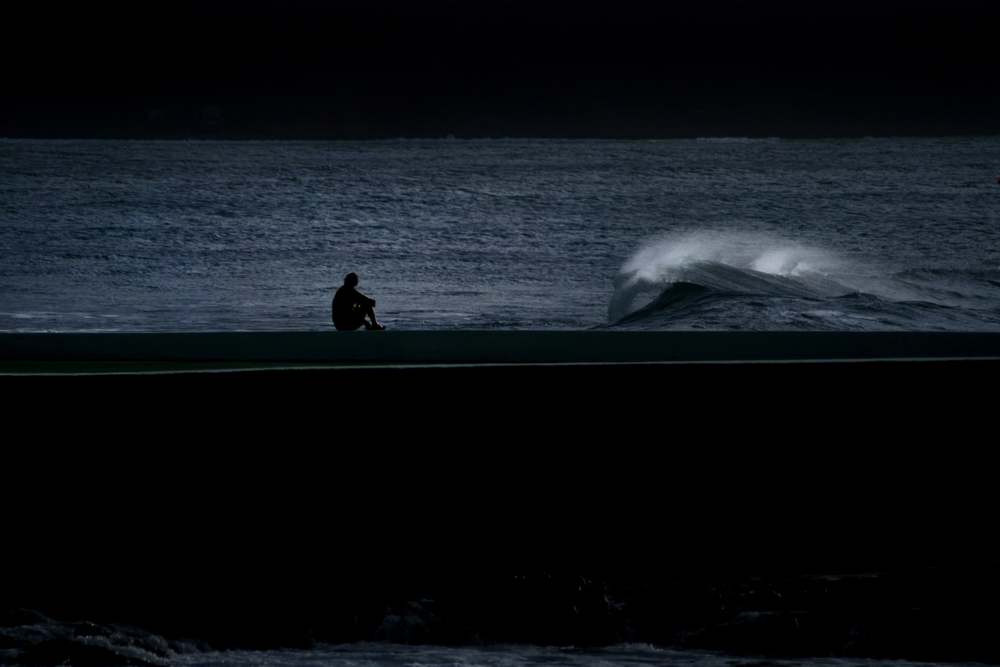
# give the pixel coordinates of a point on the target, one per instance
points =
(724, 261)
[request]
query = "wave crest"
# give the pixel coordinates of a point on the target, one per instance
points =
(728, 263)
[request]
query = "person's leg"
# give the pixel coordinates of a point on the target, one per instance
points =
(352, 323)
(370, 315)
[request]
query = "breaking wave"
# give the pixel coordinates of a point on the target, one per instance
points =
(671, 271)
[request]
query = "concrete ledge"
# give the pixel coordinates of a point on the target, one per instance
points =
(471, 347)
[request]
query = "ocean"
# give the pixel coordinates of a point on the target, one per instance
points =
(708, 234)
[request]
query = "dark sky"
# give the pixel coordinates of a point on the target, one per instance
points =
(475, 68)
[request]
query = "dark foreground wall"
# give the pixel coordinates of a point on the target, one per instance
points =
(257, 507)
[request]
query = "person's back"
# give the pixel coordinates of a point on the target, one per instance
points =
(350, 307)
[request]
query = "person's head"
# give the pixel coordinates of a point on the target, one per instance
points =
(351, 280)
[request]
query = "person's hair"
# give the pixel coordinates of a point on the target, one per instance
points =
(351, 279)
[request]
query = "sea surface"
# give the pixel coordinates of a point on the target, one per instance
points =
(709, 234)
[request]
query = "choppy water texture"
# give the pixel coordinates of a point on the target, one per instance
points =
(863, 234)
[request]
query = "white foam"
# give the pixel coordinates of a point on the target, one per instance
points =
(659, 257)
(664, 259)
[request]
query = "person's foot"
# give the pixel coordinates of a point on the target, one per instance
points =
(377, 327)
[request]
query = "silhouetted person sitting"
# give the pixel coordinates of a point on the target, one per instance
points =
(351, 307)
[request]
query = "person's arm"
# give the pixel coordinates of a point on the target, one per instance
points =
(366, 300)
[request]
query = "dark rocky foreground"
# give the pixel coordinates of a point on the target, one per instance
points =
(924, 613)
(787, 509)
(931, 614)
(28, 637)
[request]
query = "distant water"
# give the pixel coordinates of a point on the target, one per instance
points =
(866, 234)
